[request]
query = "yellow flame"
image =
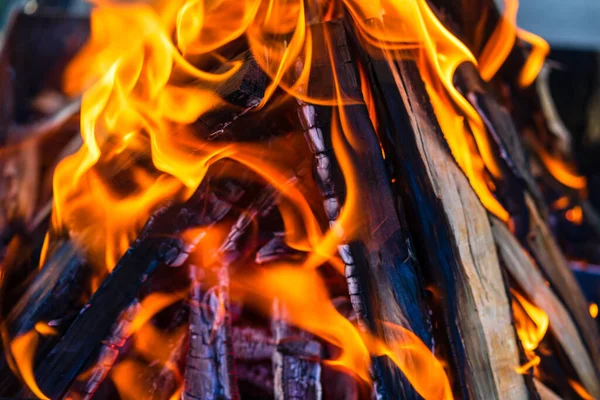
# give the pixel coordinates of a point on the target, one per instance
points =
(532, 324)
(533, 362)
(593, 310)
(141, 95)
(536, 58)
(393, 26)
(501, 42)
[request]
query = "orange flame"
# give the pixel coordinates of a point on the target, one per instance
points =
(580, 390)
(316, 313)
(501, 42)
(561, 203)
(44, 329)
(536, 58)
(140, 95)
(22, 349)
(593, 310)
(575, 215)
(532, 324)
(559, 169)
(152, 305)
(413, 25)
(126, 372)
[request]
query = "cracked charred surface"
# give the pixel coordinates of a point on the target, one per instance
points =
(111, 346)
(296, 363)
(210, 370)
(156, 244)
(382, 276)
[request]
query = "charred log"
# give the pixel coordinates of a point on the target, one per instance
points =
(397, 298)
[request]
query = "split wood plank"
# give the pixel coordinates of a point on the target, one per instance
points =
(553, 263)
(533, 284)
(454, 235)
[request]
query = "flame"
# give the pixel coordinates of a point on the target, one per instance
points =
(501, 43)
(140, 95)
(125, 373)
(152, 305)
(593, 310)
(580, 390)
(410, 25)
(575, 215)
(532, 324)
(44, 329)
(316, 313)
(22, 349)
(561, 203)
(147, 338)
(559, 169)
(536, 58)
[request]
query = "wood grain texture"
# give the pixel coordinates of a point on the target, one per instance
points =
(531, 281)
(455, 240)
(550, 259)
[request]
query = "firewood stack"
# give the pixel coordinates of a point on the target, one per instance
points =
(290, 199)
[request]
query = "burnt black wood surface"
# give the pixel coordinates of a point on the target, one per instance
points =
(382, 274)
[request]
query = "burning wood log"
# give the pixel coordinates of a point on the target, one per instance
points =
(207, 370)
(552, 262)
(210, 372)
(296, 366)
(561, 323)
(399, 297)
(53, 297)
(372, 94)
(535, 234)
(439, 195)
(118, 290)
(120, 332)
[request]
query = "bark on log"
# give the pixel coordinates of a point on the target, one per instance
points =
(382, 275)
(531, 281)
(454, 236)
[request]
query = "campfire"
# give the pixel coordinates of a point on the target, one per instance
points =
(290, 199)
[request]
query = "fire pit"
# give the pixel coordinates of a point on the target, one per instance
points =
(290, 199)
